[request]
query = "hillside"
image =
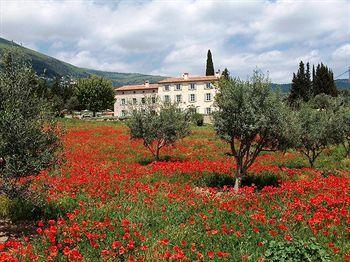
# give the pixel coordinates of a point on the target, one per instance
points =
(54, 67)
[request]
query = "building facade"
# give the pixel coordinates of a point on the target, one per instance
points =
(132, 95)
(189, 92)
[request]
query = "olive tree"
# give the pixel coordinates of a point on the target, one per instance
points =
(251, 119)
(95, 93)
(28, 130)
(158, 125)
(322, 122)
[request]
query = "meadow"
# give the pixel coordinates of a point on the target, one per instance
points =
(108, 201)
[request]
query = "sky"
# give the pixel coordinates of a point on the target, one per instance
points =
(171, 37)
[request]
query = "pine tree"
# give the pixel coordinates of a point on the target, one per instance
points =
(210, 66)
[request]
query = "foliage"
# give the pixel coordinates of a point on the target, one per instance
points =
(320, 124)
(323, 82)
(261, 180)
(226, 74)
(295, 251)
(197, 119)
(301, 88)
(95, 93)
(158, 125)
(28, 131)
(210, 66)
(251, 119)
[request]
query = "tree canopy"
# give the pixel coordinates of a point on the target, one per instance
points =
(251, 119)
(95, 93)
(158, 125)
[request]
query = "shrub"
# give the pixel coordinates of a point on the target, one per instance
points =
(216, 180)
(261, 180)
(295, 251)
(197, 119)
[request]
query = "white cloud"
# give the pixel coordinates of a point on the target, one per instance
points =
(169, 37)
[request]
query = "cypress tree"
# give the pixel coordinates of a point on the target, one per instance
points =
(301, 84)
(324, 81)
(308, 83)
(210, 66)
(225, 74)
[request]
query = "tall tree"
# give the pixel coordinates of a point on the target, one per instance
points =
(95, 93)
(225, 74)
(324, 81)
(301, 84)
(210, 66)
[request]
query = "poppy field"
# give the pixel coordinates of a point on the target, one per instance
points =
(112, 203)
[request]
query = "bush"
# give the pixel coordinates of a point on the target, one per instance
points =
(295, 251)
(29, 138)
(197, 119)
(261, 180)
(216, 180)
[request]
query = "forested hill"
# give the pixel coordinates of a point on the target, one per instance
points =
(53, 67)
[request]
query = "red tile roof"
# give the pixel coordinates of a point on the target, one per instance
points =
(188, 79)
(137, 87)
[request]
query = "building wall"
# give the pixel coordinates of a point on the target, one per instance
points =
(120, 109)
(201, 104)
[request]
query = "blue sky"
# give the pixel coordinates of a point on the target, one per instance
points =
(172, 37)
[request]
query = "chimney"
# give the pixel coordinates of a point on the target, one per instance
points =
(218, 73)
(146, 83)
(185, 76)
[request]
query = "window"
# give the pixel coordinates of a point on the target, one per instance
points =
(178, 98)
(123, 113)
(208, 86)
(207, 97)
(134, 101)
(192, 110)
(143, 111)
(123, 102)
(192, 98)
(193, 86)
(166, 88)
(167, 98)
(143, 100)
(178, 87)
(208, 110)
(153, 100)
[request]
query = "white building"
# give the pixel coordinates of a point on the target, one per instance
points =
(132, 95)
(196, 92)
